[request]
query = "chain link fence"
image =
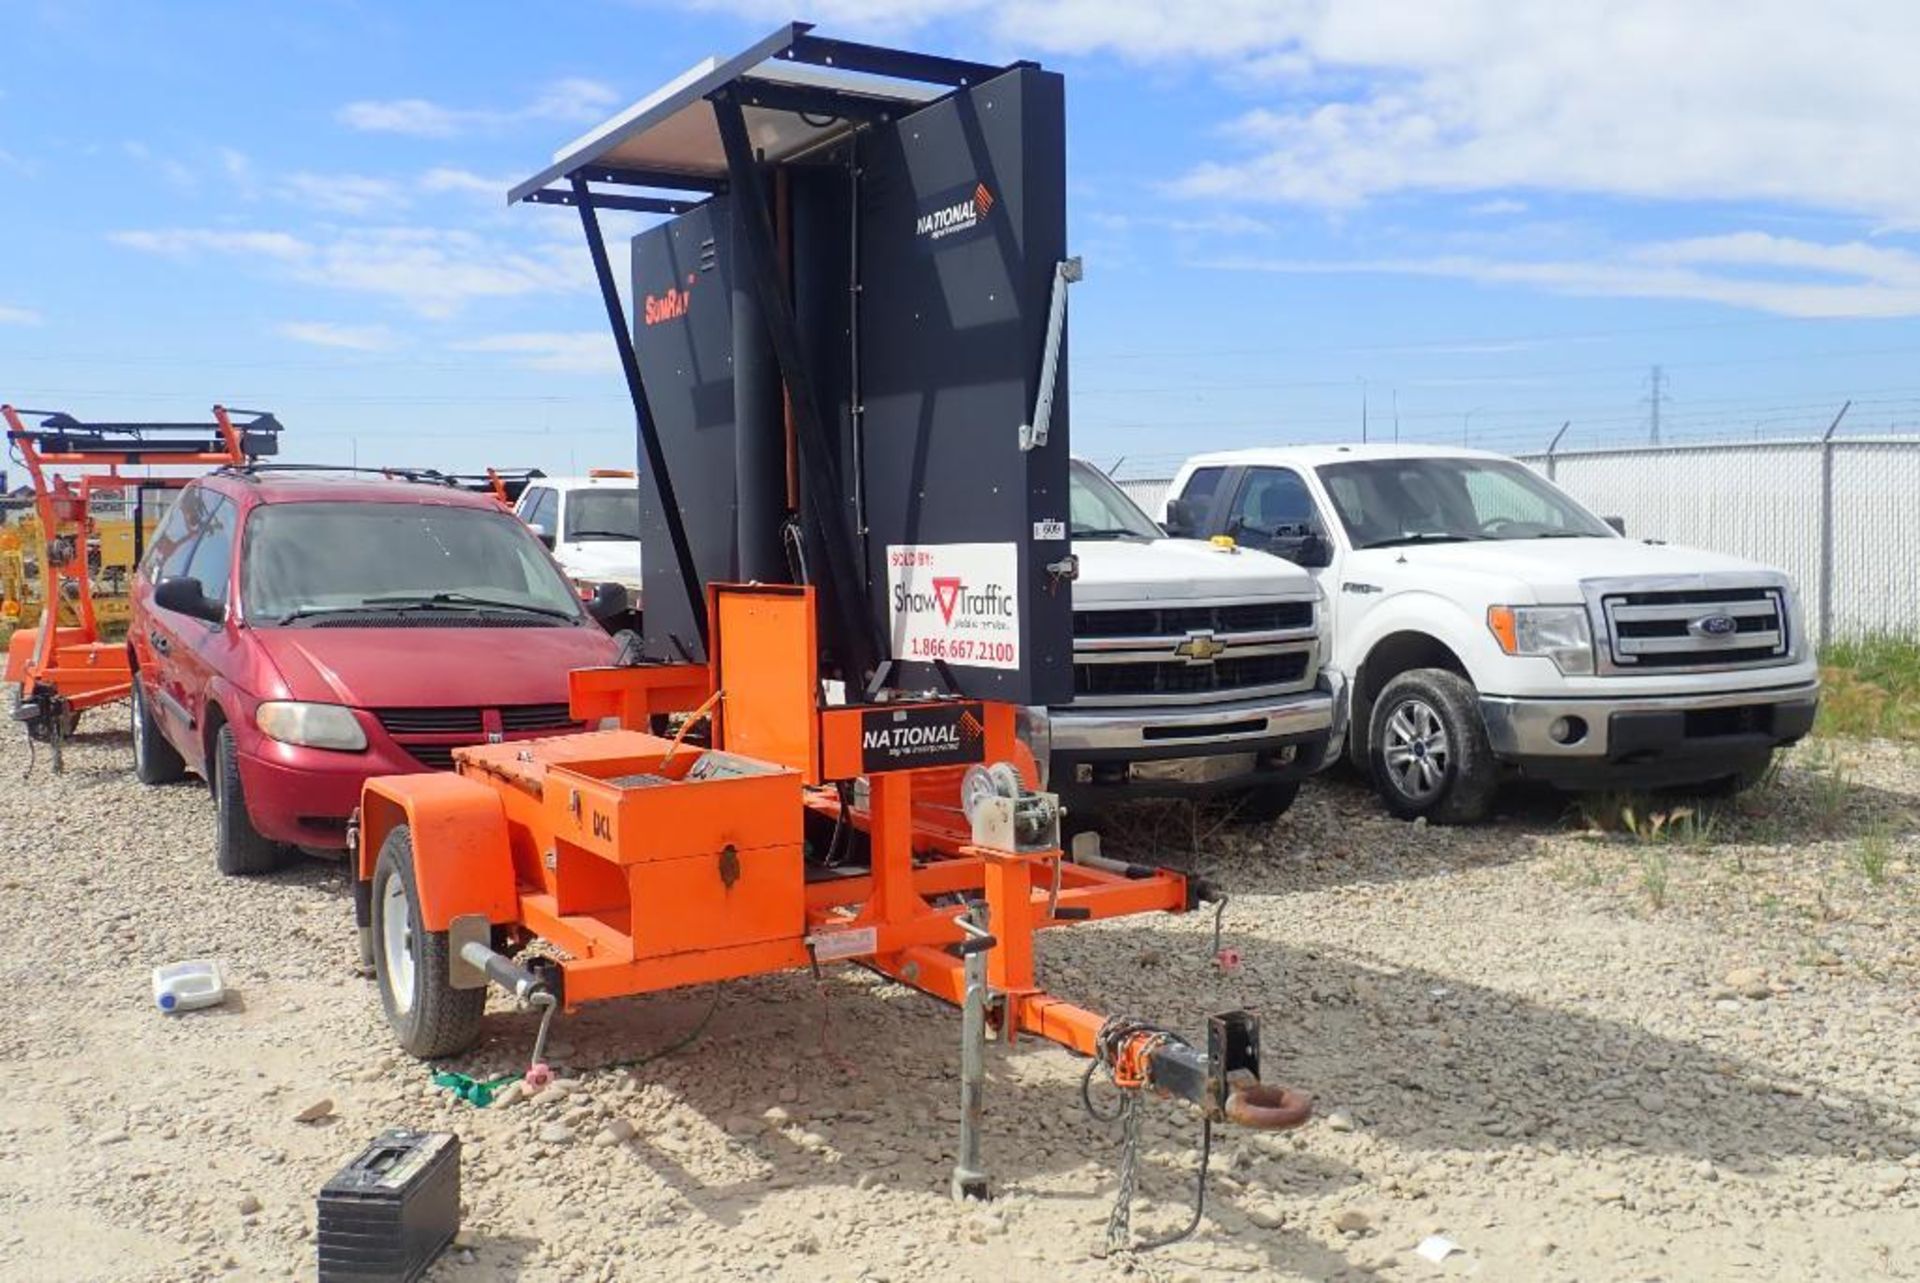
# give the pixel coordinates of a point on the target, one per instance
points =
(1839, 514)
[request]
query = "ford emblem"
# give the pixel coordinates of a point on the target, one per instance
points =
(1714, 626)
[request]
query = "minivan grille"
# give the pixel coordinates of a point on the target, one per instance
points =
(430, 735)
(1695, 628)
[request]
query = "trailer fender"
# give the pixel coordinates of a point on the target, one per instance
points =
(462, 862)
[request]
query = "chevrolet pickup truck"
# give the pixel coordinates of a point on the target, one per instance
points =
(1197, 667)
(1487, 626)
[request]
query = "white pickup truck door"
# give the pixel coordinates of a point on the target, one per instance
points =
(1274, 499)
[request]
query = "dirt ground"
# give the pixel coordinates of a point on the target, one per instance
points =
(1676, 1047)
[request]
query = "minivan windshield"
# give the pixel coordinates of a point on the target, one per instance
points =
(1098, 509)
(604, 514)
(305, 560)
(1388, 502)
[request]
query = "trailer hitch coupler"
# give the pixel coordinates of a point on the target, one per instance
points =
(503, 971)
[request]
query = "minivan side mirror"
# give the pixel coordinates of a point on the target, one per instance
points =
(1183, 519)
(608, 600)
(1619, 524)
(185, 595)
(1306, 549)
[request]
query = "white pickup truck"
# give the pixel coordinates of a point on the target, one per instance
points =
(592, 524)
(1488, 626)
(1197, 667)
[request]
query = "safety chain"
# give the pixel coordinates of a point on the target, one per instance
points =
(1120, 1219)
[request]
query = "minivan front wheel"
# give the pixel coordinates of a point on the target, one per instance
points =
(238, 847)
(1428, 749)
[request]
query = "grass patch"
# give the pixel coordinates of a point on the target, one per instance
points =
(1871, 853)
(1870, 688)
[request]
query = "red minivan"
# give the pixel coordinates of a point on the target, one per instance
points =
(296, 632)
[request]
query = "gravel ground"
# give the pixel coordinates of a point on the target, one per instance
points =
(1682, 1047)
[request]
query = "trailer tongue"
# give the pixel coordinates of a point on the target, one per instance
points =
(847, 360)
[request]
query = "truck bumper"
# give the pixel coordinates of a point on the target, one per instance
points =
(1195, 750)
(1648, 741)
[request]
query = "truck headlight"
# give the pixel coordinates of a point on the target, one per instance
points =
(1034, 728)
(1559, 633)
(310, 725)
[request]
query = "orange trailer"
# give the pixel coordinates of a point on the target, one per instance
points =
(61, 671)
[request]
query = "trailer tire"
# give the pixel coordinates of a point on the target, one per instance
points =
(413, 966)
(154, 760)
(238, 848)
(1427, 721)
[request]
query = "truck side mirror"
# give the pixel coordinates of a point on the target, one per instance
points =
(543, 533)
(1619, 524)
(185, 595)
(1307, 550)
(608, 600)
(1183, 519)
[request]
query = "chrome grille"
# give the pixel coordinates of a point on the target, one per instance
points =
(429, 735)
(1695, 628)
(1201, 653)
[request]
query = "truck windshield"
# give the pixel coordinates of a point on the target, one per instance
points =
(1385, 502)
(1101, 510)
(305, 560)
(603, 514)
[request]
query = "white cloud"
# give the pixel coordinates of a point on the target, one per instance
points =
(569, 352)
(180, 242)
(353, 338)
(572, 101)
(343, 193)
(1782, 275)
(1715, 100)
(18, 315)
(445, 178)
(433, 271)
(173, 171)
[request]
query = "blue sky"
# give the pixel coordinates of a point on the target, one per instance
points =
(1493, 217)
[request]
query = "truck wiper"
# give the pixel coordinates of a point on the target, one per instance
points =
(623, 535)
(463, 601)
(1425, 536)
(1107, 532)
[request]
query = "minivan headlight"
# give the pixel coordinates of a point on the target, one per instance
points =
(311, 725)
(1559, 633)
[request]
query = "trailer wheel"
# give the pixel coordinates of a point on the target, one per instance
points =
(428, 1015)
(1429, 751)
(154, 760)
(238, 848)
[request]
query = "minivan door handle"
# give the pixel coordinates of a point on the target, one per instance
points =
(159, 639)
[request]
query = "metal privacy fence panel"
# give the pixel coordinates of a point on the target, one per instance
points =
(1876, 537)
(1761, 502)
(1841, 515)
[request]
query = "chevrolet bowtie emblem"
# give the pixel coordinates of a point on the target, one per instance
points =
(1200, 648)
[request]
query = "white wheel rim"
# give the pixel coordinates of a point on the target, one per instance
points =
(396, 944)
(139, 728)
(1416, 749)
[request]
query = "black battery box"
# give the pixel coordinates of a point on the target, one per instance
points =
(387, 1214)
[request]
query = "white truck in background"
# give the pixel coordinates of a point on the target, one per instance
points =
(1197, 667)
(592, 525)
(1487, 626)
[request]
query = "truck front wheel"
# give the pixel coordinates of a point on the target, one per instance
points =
(1266, 803)
(1428, 749)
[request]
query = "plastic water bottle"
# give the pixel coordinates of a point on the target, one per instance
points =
(183, 986)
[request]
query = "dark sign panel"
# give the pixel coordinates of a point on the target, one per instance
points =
(899, 739)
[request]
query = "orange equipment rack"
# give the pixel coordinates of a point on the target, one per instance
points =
(649, 875)
(62, 671)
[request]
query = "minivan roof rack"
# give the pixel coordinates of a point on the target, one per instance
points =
(424, 476)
